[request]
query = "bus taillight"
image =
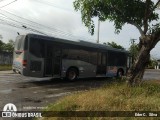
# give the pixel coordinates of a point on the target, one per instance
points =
(24, 62)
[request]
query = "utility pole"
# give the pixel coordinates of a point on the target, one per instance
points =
(98, 31)
(133, 48)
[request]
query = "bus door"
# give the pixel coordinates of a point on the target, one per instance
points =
(56, 62)
(48, 60)
(101, 64)
(52, 61)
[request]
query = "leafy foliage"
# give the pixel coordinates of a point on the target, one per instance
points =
(1, 45)
(134, 51)
(114, 45)
(140, 13)
(111, 97)
(152, 63)
(8, 47)
(118, 11)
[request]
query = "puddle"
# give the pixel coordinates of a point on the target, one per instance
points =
(57, 95)
(37, 101)
(23, 86)
(6, 91)
(26, 99)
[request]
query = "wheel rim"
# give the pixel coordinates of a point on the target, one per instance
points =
(120, 74)
(71, 75)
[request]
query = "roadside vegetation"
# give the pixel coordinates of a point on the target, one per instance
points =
(5, 67)
(114, 96)
(138, 13)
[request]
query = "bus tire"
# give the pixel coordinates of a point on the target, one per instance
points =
(120, 73)
(14, 71)
(72, 74)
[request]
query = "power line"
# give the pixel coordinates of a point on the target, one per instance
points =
(54, 29)
(33, 29)
(8, 4)
(1, 0)
(37, 31)
(37, 24)
(6, 17)
(53, 5)
(21, 27)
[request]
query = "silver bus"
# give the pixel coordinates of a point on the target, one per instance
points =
(43, 56)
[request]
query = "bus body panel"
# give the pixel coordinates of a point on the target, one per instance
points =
(40, 56)
(20, 56)
(36, 66)
(112, 70)
(85, 69)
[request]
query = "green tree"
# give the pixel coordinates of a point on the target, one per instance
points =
(115, 45)
(139, 13)
(1, 43)
(9, 47)
(134, 51)
(152, 63)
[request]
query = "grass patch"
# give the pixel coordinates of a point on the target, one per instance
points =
(112, 97)
(5, 67)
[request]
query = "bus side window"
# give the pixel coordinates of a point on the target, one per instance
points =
(64, 56)
(93, 57)
(99, 58)
(103, 59)
(65, 53)
(116, 59)
(36, 48)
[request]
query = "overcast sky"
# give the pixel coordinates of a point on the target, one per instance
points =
(58, 18)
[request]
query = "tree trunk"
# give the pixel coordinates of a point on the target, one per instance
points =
(138, 68)
(137, 71)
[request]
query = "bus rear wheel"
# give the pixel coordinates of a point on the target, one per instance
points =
(72, 74)
(120, 73)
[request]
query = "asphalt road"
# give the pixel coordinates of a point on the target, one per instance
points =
(152, 74)
(34, 94)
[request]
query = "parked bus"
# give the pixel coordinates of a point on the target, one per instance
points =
(43, 56)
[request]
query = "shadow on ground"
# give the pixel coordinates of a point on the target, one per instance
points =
(80, 84)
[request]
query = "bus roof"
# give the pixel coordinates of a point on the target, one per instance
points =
(79, 43)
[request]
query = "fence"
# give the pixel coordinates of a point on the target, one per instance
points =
(6, 58)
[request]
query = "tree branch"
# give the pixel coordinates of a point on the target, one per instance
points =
(146, 16)
(138, 27)
(155, 38)
(148, 13)
(158, 2)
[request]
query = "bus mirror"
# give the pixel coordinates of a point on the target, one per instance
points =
(18, 51)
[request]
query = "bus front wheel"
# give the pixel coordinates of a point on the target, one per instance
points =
(72, 74)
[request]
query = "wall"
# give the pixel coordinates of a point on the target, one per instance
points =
(6, 58)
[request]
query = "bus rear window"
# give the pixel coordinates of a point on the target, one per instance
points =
(21, 43)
